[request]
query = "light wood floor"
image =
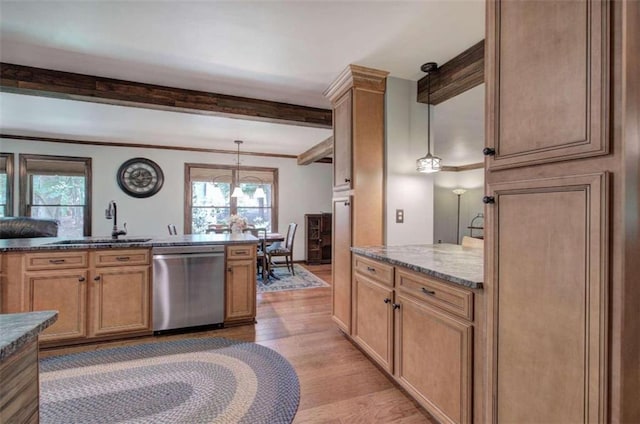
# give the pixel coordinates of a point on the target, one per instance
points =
(338, 383)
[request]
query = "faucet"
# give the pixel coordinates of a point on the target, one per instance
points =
(112, 212)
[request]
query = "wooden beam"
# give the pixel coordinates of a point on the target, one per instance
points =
(317, 152)
(463, 167)
(458, 75)
(65, 85)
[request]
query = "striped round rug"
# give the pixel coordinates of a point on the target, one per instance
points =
(209, 380)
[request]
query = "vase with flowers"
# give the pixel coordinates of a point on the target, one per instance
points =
(237, 223)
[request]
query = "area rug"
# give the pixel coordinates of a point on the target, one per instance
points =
(285, 281)
(209, 380)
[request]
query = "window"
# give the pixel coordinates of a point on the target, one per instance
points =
(57, 187)
(6, 184)
(208, 196)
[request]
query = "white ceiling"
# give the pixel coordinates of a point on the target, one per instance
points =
(287, 51)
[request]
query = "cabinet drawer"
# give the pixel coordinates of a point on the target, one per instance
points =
(122, 257)
(456, 301)
(242, 251)
(56, 260)
(375, 270)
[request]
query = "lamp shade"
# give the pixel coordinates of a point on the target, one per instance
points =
(459, 191)
(259, 193)
(428, 164)
(237, 192)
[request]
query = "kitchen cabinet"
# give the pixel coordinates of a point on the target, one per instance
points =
(562, 209)
(357, 97)
(373, 307)
(98, 294)
(421, 331)
(240, 284)
(318, 238)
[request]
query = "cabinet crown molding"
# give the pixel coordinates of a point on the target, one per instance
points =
(355, 76)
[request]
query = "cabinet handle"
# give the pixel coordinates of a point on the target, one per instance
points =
(81, 279)
(387, 300)
(429, 292)
(56, 261)
(488, 200)
(96, 278)
(242, 252)
(371, 269)
(347, 180)
(396, 306)
(488, 151)
(122, 258)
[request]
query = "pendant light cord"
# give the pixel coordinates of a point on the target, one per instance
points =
(429, 113)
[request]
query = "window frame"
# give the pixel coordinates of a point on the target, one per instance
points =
(9, 170)
(187, 207)
(25, 184)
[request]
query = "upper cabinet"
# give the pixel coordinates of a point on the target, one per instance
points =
(548, 101)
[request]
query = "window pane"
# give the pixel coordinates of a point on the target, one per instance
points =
(202, 217)
(209, 194)
(3, 189)
(58, 190)
(252, 196)
(258, 217)
(70, 218)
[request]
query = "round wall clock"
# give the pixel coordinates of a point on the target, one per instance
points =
(140, 177)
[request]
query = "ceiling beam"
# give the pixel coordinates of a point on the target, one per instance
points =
(318, 152)
(65, 85)
(458, 75)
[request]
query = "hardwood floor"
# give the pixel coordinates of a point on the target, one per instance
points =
(338, 383)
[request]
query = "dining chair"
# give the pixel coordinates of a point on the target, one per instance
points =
(263, 263)
(172, 230)
(472, 242)
(286, 251)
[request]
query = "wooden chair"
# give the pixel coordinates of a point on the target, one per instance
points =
(276, 249)
(172, 230)
(472, 242)
(263, 263)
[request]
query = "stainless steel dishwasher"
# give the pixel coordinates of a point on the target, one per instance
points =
(188, 287)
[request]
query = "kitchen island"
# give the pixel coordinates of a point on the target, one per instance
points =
(19, 364)
(103, 287)
(418, 312)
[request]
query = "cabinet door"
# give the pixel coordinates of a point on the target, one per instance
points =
(548, 98)
(433, 359)
(342, 142)
(120, 300)
(549, 301)
(64, 291)
(240, 293)
(373, 319)
(341, 300)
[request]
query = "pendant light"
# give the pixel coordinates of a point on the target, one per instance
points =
(237, 191)
(428, 163)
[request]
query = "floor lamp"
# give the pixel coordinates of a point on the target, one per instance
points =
(459, 192)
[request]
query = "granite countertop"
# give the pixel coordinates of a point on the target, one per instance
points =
(449, 262)
(16, 330)
(102, 242)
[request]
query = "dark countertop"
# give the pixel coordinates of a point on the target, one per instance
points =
(17, 330)
(105, 242)
(449, 262)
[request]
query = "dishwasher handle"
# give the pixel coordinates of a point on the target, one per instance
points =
(189, 256)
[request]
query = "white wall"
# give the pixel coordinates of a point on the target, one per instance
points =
(407, 189)
(302, 189)
(446, 203)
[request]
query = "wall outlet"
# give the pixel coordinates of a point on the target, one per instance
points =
(399, 216)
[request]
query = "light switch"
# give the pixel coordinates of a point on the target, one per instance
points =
(399, 216)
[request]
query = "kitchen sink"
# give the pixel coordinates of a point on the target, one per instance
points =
(99, 241)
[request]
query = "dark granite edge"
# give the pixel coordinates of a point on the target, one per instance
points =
(97, 246)
(13, 346)
(433, 273)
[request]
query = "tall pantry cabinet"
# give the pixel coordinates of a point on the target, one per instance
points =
(357, 96)
(563, 188)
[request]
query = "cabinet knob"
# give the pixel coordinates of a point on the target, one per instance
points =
(81, 279)
(488, 200)
(347, 180)
(347, 203)
(429, 292)
(96, 278)
(387, 300)
(396, 306)
(488, 151)
(230, 269)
